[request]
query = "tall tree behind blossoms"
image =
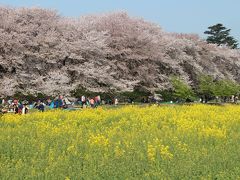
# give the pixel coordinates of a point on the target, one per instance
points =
(220, 35)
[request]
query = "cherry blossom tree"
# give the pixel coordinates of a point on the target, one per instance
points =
(43, 51)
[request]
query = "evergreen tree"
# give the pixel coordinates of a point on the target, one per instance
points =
(220, 35)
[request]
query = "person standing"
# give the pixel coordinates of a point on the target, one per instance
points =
(24, 109)
(41, 107)
(51, 105)
(3, 101)
(83, 101)
(97, 101)
(15, 108)
(20, 108)
(116, 102)
(92, 103)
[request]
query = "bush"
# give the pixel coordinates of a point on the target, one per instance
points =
(139, 94)
(206, 87)
(167, 95)
(182, 91)
(209, 88)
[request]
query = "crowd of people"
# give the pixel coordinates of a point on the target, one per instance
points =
(22, 107)
(13, 106)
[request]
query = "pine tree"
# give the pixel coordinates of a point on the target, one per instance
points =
(220, 35)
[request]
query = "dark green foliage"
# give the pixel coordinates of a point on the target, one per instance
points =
(225, 88)
(206, 87)
(136, 96)
(209, 88)
(220, 35)
(29, 97)
(166, 95)
(182, 91)
(139, 94)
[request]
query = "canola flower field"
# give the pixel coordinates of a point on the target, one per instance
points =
(155, 142)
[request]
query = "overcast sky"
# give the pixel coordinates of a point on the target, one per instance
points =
(185, 16)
